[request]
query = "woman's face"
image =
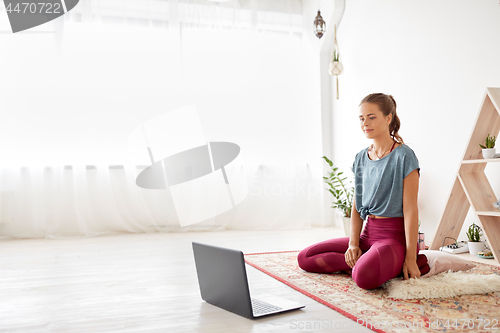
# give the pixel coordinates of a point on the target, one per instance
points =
(372, 121)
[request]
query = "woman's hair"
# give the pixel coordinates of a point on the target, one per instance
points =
(387, 105)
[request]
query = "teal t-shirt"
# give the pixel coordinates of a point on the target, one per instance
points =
(378, 185)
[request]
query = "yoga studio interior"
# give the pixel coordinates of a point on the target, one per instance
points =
(134, 132)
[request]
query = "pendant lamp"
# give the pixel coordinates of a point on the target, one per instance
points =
(319, 25)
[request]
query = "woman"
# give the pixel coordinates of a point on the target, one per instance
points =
(386, 190)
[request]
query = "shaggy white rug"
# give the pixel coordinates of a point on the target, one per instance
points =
(443, 285)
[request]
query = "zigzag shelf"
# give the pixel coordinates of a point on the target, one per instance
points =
(471, 187)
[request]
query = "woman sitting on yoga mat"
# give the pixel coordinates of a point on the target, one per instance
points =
(386, 190)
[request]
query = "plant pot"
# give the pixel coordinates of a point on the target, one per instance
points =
(475, 247)
(336, 68)
(489, 152)
(347, 225)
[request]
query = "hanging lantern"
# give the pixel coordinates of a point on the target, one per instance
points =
(319, 25)
(336, 67)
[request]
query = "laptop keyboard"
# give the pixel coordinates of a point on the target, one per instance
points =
(260, 307)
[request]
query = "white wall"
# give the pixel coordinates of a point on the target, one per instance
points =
(436, 58)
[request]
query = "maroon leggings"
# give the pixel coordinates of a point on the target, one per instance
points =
(383, 245)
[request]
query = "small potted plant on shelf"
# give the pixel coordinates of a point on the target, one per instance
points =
(342, 192)
(474, 234)
(489, 148)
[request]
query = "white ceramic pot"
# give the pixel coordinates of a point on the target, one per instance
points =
(489, 152)
(475, 247)
(347, 225)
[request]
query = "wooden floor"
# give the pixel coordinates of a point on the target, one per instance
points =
(144, 282)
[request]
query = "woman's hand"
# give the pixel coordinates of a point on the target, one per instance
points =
(352, 255)
(410, 269)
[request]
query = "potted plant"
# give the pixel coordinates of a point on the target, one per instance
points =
(474, 234)
(342, 192)
(336, 67)
(489, 148)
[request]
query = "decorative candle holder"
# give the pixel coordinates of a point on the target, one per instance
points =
(421, 241)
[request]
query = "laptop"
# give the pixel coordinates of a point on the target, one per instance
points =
(223, 282)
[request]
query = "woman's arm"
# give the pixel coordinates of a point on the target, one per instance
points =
(356, 225)
(410, 212)
(354, 251)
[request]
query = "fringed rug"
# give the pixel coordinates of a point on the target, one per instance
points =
(375, 310)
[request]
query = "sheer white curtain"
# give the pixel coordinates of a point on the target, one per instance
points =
(78, 91)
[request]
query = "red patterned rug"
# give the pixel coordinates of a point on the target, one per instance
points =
(373, 309)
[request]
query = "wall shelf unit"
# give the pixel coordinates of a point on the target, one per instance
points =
(471, 187)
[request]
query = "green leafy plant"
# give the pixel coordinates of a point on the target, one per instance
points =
(342, 191)
(336, 55)
(474, 233)
(489, 141)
